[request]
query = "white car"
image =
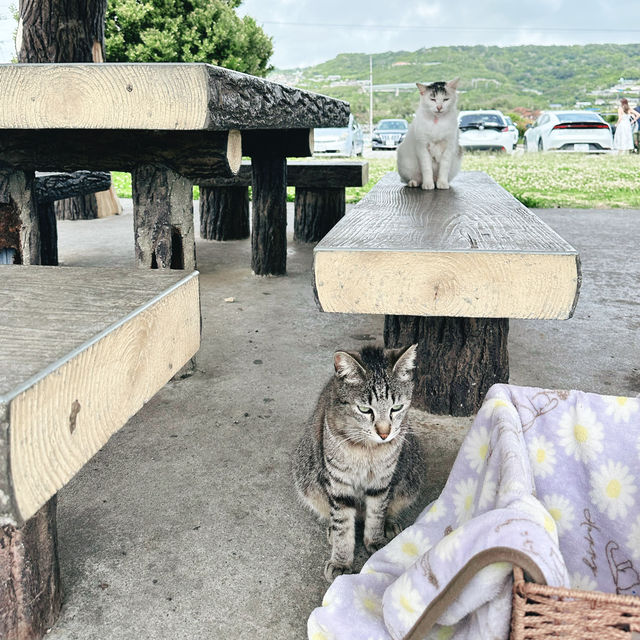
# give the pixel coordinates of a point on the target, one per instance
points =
(485, 130)
(343, 141)
(569, 131)
(514, 130)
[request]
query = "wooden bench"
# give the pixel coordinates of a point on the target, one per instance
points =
(319, 201)
(447, 269)
(83, 350)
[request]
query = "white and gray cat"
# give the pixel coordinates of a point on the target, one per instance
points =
(430, 156)
(358, 455)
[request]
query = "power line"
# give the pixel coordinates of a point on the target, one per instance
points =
(387, 27)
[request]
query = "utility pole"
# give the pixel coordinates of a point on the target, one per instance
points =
(371, 100)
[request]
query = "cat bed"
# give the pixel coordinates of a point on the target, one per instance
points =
(544, 480)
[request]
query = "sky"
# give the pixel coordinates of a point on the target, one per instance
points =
(307, 32)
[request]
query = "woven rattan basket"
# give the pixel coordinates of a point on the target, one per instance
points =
(540, 611)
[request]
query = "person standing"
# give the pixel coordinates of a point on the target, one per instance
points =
(623, 139)
(635, 128)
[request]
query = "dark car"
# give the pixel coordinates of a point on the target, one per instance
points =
(388, 134)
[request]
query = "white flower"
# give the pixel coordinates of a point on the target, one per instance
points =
(317, 631)
(407, 547)
(612, 489)
(464, 499)
(561, 510)
(367, 601)
(489, 406)
(406, 600)
(488, 492)
(580, 433)
(476, 448)
(621, 408)
(436, 512)
(447, 546)
(633, 540)
(582, 581)
(542, 453)
(331, 600)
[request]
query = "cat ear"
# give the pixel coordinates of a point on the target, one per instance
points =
(347, 367)
(406, 363)
(421, 87)
(453, 84)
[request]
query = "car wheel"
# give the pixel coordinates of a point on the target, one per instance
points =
(540, 145)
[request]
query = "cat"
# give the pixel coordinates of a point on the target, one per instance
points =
(430, 156)
(358, 454)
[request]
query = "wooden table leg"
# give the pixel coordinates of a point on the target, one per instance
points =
(269, 215)
(163, 218)
(458, 359)
(317, 211)
(30, 592)
(19, 220)
(224, 213)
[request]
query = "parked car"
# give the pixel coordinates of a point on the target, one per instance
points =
(388, 134)
(344, 141)
(569, 131)
(485, 130)
(514, 130)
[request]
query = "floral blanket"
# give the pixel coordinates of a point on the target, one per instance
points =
(544, 479)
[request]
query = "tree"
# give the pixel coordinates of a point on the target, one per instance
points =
(186, 31)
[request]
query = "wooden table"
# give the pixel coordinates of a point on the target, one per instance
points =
(82, 350)
(169, 125)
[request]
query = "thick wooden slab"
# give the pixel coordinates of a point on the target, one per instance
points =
(83, 349)
(306, 174)
(471, 251)
(166, 96)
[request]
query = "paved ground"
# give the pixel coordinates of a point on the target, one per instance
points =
(185, 524)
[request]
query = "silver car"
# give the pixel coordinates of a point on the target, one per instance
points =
(569, 131)
(485, 130)
(343, 141)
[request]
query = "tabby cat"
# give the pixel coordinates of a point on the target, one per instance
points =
(430, 156)
(358, 454)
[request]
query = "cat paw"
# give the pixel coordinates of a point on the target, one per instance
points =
(428, 186)
(392, 529)
(334, 569)
(413, 183)
(442, 184)
(376, 544)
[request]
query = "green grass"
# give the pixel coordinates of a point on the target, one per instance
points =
(541, 180)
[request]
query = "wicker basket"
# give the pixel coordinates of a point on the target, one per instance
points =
(540, 611)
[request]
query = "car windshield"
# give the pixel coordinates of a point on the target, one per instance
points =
(490, 119)
(579, 117)
(396, 125)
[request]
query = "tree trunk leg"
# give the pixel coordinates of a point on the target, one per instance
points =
(317, 211)
(77, 208)
(269, 215)
(19, 220)
(163, 218)
(48, 234)
(224, 213)
(30, 592)
(458, 359)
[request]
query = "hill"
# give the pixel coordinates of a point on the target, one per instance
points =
(518, 79)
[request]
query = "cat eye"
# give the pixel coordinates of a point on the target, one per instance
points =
(445, 99)
(397, 407)
(364, 409)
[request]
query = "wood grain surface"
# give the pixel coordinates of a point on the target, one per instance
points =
(167, 96)
(471, 251)
(109, 340)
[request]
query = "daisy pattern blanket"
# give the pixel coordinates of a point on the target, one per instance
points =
(545, 479)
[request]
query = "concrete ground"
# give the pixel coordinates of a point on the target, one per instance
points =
(185, 525)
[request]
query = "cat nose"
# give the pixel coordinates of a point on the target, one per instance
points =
(383, 429)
